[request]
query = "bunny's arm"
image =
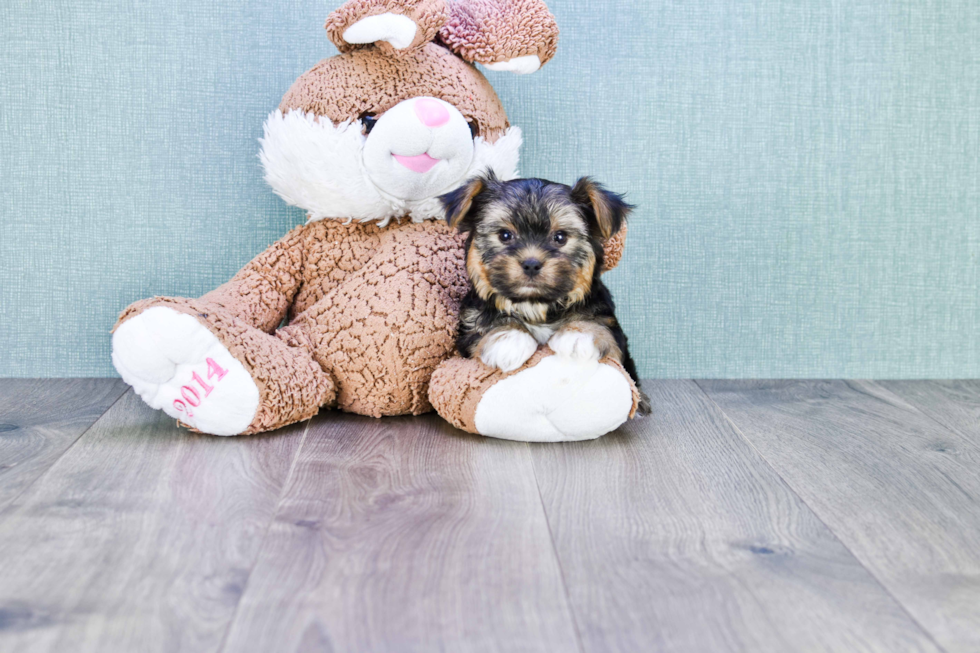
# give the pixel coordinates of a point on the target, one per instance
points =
(261, 292)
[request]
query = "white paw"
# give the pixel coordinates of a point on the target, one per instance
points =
(177, 365)
(508, 350)
(574, 344)
(558, 399)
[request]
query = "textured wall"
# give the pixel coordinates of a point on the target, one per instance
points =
(808, 172)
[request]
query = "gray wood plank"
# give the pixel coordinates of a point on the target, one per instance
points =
(40, 419)
(403, 534)
(674, 535)
(139, 538)
(901, 491)
(954, 404)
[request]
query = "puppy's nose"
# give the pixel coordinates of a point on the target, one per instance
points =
(531, 266)
(431, 112)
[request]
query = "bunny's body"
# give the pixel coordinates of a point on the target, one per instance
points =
(370, 287)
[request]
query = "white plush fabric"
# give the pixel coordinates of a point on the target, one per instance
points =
(560, 398)
(159, 351)
(396, 29)
(401, 131)
(320, 167)
(521, 65)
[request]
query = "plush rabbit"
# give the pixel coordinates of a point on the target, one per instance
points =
(357, 309)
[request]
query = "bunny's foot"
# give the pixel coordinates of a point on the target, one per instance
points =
(177, 365)
(181, 358)
(551, 398)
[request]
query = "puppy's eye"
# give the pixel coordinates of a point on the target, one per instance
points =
(560, 237)
(369, 120)
(505, 236)
(474, 128)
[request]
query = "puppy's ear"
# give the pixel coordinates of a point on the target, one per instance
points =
(458, 203)
(605, 210)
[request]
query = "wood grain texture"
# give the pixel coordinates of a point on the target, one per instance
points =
(40, 419)
(675, 536)
(139, 538)
(403, 534)
(900, 490)
(954, 404)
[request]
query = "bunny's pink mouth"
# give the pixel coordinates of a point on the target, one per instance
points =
(421, 163)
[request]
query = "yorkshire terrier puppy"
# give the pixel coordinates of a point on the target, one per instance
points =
(534, 255)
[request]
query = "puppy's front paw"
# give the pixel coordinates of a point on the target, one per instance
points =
(574, 344)
(508, 350)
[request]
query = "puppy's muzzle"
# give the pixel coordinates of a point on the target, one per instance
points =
(531, 266)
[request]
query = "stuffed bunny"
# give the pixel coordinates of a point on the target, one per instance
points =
(357, 309)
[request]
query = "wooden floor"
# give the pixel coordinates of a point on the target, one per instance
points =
(741, 516)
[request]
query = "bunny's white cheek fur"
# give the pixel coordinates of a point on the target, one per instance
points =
(321, 168)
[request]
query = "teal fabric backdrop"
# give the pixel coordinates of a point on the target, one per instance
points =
(807, 172)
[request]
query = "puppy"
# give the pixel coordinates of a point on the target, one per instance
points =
(534, 254)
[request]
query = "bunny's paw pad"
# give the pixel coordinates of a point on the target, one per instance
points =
(177, 365)
(560, 398)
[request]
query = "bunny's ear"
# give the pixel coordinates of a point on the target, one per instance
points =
(394, 26)
(519, 36)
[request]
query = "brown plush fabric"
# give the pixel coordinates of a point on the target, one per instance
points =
(613, 248)
(490, 31)
(261, 292)
(347, 86)
(384, 326)
(374, 308)
(292, 386)
(428, 15)
(459, 384)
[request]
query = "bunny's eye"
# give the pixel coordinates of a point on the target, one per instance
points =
(474, 128)
(369, 120)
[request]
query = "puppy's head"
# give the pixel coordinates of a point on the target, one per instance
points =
(533, 240)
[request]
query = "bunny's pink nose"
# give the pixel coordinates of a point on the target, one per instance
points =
(431, 112)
